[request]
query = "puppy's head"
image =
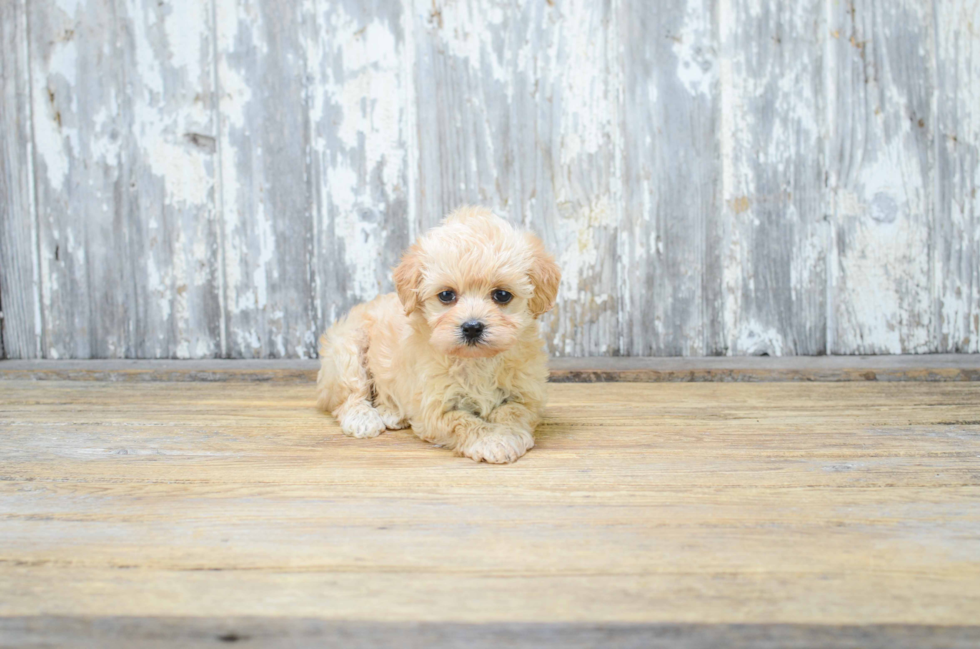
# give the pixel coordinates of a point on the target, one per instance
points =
(475, 283)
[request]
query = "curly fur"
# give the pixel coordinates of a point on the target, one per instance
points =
(400, 360)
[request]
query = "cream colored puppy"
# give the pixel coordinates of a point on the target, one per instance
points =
(455, 352)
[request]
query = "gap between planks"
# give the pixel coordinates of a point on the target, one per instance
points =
(932, 367)
(122, 631)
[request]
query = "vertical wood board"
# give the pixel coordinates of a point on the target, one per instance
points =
(122, 117)
(20, 323)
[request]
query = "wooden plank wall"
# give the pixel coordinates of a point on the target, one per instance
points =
(186, 179)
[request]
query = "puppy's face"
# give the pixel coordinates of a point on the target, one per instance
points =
(476, 283)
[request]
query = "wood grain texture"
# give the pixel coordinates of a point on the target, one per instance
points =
(957, 140)
(716, 177)
(882, 173)
(19, 324)
(123, 134)
(671, 299)
(267, 187)
(774, 260)
(689, 504)
(362, 111)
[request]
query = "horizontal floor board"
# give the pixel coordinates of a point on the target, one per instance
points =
(672, 514)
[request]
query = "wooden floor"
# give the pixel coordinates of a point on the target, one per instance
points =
(672, 514)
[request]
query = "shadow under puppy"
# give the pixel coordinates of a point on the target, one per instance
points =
(455, 353)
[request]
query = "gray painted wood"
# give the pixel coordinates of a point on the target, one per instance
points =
(224, 179)
(266, 183)
(774, 268)
(123, 117)
(81, 189)
(881, 172)
(20, 325)
(672, 301)
(957, 146)
(361, 100)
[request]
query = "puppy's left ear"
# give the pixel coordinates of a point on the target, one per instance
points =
(408, 279)
(545, 276)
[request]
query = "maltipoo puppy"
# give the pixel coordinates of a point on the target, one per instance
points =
(455, 352)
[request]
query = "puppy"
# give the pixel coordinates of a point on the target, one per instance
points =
(455, 352)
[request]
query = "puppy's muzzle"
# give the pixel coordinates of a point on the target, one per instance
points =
(472, 331)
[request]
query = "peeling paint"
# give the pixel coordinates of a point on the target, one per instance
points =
(956, 262)
(738, 177)
(363, 102)
(882, 294)
(696, 67)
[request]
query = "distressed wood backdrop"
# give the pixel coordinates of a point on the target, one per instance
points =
(222, 178)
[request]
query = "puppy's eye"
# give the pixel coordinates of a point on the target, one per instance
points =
(501, 296)
(447, 297)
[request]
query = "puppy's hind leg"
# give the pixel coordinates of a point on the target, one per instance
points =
(343, 384)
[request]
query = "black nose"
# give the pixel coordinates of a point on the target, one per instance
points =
(472, 330)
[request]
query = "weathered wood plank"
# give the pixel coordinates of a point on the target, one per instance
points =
(764, 504)
(671, 177)
(518, 109)
(83, 204)
(20, 323)
(362, 114)
(772, 121)
(123, 134)
(957, 136)
(267, 186)
(881, 170)
(932, 367)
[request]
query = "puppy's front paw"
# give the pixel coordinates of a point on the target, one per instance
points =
(362, 421)
(392, 419)
(498, 445)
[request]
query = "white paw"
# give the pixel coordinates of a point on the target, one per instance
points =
(391, 418)
(362, 421)
(499, 446)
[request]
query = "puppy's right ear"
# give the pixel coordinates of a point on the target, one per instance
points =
(408, 279)
(545, 276)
